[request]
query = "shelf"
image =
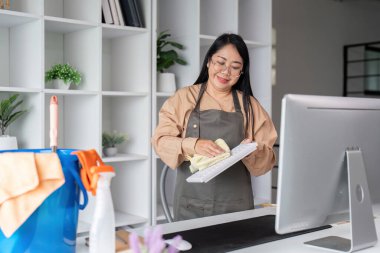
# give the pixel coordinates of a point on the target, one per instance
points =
(65, 25)
(206, 40)
(124, 219)
(114, 31)
(362, 76)
(254, 44)
(164, 94)
(121, 220)
(14, 18)
(124, 158)
(365, 92)
(363, 60)
(261, 201)
(124, 94)
(19, 89)
(70, 92)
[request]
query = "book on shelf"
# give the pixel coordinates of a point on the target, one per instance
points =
(119, 13)
(107, 12)
(136, 4)
(114, 12)
(130, 12)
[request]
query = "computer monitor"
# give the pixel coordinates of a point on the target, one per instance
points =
(319, 136)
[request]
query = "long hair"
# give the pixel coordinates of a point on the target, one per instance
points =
(243, 84)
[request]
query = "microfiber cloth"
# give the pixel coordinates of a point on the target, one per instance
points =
(200, 162)
(26, 180)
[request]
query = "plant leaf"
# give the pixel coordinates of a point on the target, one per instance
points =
(181, 61)
(13, 117)
(7, 114)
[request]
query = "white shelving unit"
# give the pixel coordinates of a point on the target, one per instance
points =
(196, 24)
(115, 93)
(118, 91)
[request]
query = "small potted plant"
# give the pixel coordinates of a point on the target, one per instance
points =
(63, 75)
(8, 115)
(167, 56)
(110, 140)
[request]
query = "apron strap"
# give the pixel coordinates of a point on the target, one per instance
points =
(236, 101)
(201, 91)
(197, 112)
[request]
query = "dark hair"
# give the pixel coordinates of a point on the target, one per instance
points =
(243, 84)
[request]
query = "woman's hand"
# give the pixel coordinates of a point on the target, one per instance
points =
(245, 141)
(207, 148)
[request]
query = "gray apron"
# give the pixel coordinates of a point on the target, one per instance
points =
(231, 190)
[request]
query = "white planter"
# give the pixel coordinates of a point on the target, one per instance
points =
(166, 82)
(112, 151)
(8, 142)
(60, 84)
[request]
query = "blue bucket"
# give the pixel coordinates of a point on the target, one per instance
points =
(52, 227)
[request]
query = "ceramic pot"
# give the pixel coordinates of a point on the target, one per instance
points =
(110, 151)
(8, 142)
(60, 84)
(166, 82)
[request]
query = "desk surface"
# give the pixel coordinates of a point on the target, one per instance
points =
(291, 245)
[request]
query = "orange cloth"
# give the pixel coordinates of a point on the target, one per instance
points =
(92, 165)
(26, 180)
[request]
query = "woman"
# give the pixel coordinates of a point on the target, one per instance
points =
(219, 105)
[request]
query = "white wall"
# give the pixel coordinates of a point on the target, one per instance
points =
(310, 39)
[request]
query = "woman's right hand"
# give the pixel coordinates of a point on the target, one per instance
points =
(207, 148)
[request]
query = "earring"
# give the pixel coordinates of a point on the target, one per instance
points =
(207, 65)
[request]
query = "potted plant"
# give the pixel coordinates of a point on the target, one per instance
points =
(8, 115)
(167, 56)
(63, 75)
(110, 140)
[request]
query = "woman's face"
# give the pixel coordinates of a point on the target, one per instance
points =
(224, 68)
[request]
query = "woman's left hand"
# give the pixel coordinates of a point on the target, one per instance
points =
(245, 141)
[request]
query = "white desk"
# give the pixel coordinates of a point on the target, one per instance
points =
(288, 245)
(291, 245)
(296, 244)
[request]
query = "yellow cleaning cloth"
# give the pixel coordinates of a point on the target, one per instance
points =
(200, 162)
(26, 180)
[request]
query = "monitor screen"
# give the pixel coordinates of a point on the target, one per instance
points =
(315, 133)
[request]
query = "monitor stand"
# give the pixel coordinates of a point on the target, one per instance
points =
(363, 230)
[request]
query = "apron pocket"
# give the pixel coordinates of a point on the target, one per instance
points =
(191, 208)
(232, 206)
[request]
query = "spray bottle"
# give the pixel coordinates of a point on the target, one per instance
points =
(102, 232)
(96, 177)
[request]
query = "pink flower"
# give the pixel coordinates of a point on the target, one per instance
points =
(153, 242)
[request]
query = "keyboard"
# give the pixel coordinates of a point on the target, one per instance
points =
(235, 235)
(237, 153)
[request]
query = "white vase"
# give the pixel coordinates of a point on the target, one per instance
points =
(60, 84)
(166, 82)
(111, 151)
(8, 142)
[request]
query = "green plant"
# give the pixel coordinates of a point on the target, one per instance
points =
(167, 58)
(7, 112)
(112, 139)
(64, 72)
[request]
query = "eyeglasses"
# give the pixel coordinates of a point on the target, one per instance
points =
(221, 66)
